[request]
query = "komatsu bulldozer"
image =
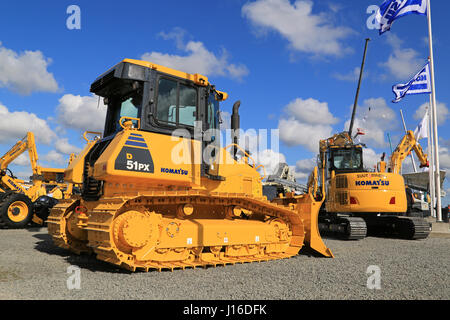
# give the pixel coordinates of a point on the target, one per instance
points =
(158, 190)
(358, 200)
(24, 202)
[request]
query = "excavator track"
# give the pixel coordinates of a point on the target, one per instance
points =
(409, 228)
(108, 229)
(345, 228)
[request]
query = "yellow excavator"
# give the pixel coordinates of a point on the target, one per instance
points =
(24, 202)
(158, 190)
(358, 201)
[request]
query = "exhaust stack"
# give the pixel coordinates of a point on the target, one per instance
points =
(235, 126)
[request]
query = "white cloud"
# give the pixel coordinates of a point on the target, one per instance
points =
(305, 31)
(15, 125)
(63, 146)
(375, 118)
(82, 113)
(24, 175)
(444, 158)
(296, 133)
(307, 122)
(442, 112)
(403, 63)
(55, 157)
(25, 72)
(22, 160)
(352, 76)
(311, 111)
(371, 158)
(270, 160)
(198, 58)
(303, 169)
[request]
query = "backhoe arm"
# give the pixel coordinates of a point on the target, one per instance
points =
(27, 143)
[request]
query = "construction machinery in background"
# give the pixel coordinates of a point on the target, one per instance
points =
(358, 201)
(282, 181)
(22, 202)
(158, 190)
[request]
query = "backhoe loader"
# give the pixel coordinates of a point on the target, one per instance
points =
(24, 202)
(158, 190)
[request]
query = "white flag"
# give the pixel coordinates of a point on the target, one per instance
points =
(421, 131)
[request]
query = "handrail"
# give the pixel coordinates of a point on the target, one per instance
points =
(129, 118)
(90, 132)
(248, 156)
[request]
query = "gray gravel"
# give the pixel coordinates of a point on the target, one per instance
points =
(31, 267)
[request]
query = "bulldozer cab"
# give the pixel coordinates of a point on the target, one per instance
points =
(157, 99)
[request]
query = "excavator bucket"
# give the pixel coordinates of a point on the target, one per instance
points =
(308, 209)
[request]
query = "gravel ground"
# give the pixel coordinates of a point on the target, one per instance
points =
(31, 267)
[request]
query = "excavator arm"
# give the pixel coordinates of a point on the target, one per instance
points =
(403, 149)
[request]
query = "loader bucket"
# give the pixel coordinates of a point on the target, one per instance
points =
(308, 209)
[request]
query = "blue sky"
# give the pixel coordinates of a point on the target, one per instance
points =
(293, 65)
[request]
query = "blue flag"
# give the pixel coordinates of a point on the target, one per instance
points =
(419, 84)
(391, 10)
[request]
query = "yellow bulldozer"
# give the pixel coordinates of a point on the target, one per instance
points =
(158, 190)
(23, 202)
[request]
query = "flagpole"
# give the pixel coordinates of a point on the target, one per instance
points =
(406, 131)
(434, 113)
(432, 184)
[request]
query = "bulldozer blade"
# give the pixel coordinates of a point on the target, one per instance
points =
(308, 209)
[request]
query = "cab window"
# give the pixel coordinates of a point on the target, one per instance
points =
(128, 105)
(212, 113)
(347, 159)
(176, 103)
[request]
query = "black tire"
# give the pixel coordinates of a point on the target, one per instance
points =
(16, 210)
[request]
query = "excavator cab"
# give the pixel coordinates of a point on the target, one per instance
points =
(346, 160)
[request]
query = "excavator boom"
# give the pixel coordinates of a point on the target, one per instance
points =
(403, 149)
